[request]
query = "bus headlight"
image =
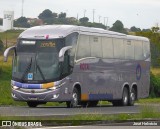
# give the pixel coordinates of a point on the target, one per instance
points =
(53, 88)
(56, 87)
(15, 87)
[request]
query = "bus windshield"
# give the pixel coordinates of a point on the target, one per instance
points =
(37, 61)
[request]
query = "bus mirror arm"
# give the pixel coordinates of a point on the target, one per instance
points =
(6, 52)
(62, 52)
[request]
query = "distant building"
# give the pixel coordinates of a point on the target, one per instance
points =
(35, 21)
(8, 20)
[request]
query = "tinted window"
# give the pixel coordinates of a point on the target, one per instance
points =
(129, 49)
(107, 47)
(138, 48)
(146, 49)
(71, 40)
(118, 48)
(83, 49)
(96, 48)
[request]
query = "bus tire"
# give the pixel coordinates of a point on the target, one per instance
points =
(89, 103)
(32, 104)
(75, 99)
(116, 102)
(125, 97)
(132, 97)
(92, 103)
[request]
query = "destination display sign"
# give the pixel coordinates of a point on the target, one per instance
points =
(48, 44)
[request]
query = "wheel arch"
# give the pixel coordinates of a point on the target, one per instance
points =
(77, 85)
(126, 84)
(134, 85)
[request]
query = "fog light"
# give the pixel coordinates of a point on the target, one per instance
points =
(13, 95)
(55, 96)
(15, 87)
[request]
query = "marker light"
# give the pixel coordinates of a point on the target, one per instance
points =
(47, 36)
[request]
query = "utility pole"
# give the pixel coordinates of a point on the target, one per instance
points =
(105, 23)
(99, 19)
(22, 7)
(77, 17)
(85, 13)
(93, 14)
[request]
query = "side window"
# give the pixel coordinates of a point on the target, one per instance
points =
(138, 48)
(83, 49)
(129, 49)
(107, 47)
(96, 47)
(71, 40)
(118, 48)
(146, 49)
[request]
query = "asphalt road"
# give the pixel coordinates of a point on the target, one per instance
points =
(63, 111)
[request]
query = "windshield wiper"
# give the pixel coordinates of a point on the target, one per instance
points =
(41, 73)
(27, 69)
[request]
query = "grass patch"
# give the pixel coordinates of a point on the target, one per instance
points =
(146, 113)
(10, 36)
(5, 79)
(149, 101)
(149, 112)
(155, 71)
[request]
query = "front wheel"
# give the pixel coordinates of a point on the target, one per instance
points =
(32, 104)
(75, 99)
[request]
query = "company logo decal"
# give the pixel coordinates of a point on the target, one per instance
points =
(138, 72)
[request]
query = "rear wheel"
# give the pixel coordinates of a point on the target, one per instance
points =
(89, 103)
(124, 100)
(132, 97)
(125, 97)
(116, 103)
(75, 99)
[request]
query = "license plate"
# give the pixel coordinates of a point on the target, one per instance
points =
(33, 98)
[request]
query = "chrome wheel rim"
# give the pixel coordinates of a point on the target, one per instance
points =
(75, 99)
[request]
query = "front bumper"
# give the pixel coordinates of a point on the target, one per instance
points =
(50, 92)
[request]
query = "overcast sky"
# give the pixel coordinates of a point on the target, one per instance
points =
(139, 13)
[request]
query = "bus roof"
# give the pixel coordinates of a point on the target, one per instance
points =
(60, 31)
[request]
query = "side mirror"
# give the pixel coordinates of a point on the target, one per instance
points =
(62, 52)
(6, 52)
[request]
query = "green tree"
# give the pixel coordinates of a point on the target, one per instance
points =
(54, 15)
(146, 30)
(46, 14)
(1, 21)
(62, 15)
(84, 19)
(155, 29)
(155, 46)
(118, 27)
(135, 29)
(1, 45)
(22, 22)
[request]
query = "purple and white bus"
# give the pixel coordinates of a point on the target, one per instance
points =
(80, 66)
